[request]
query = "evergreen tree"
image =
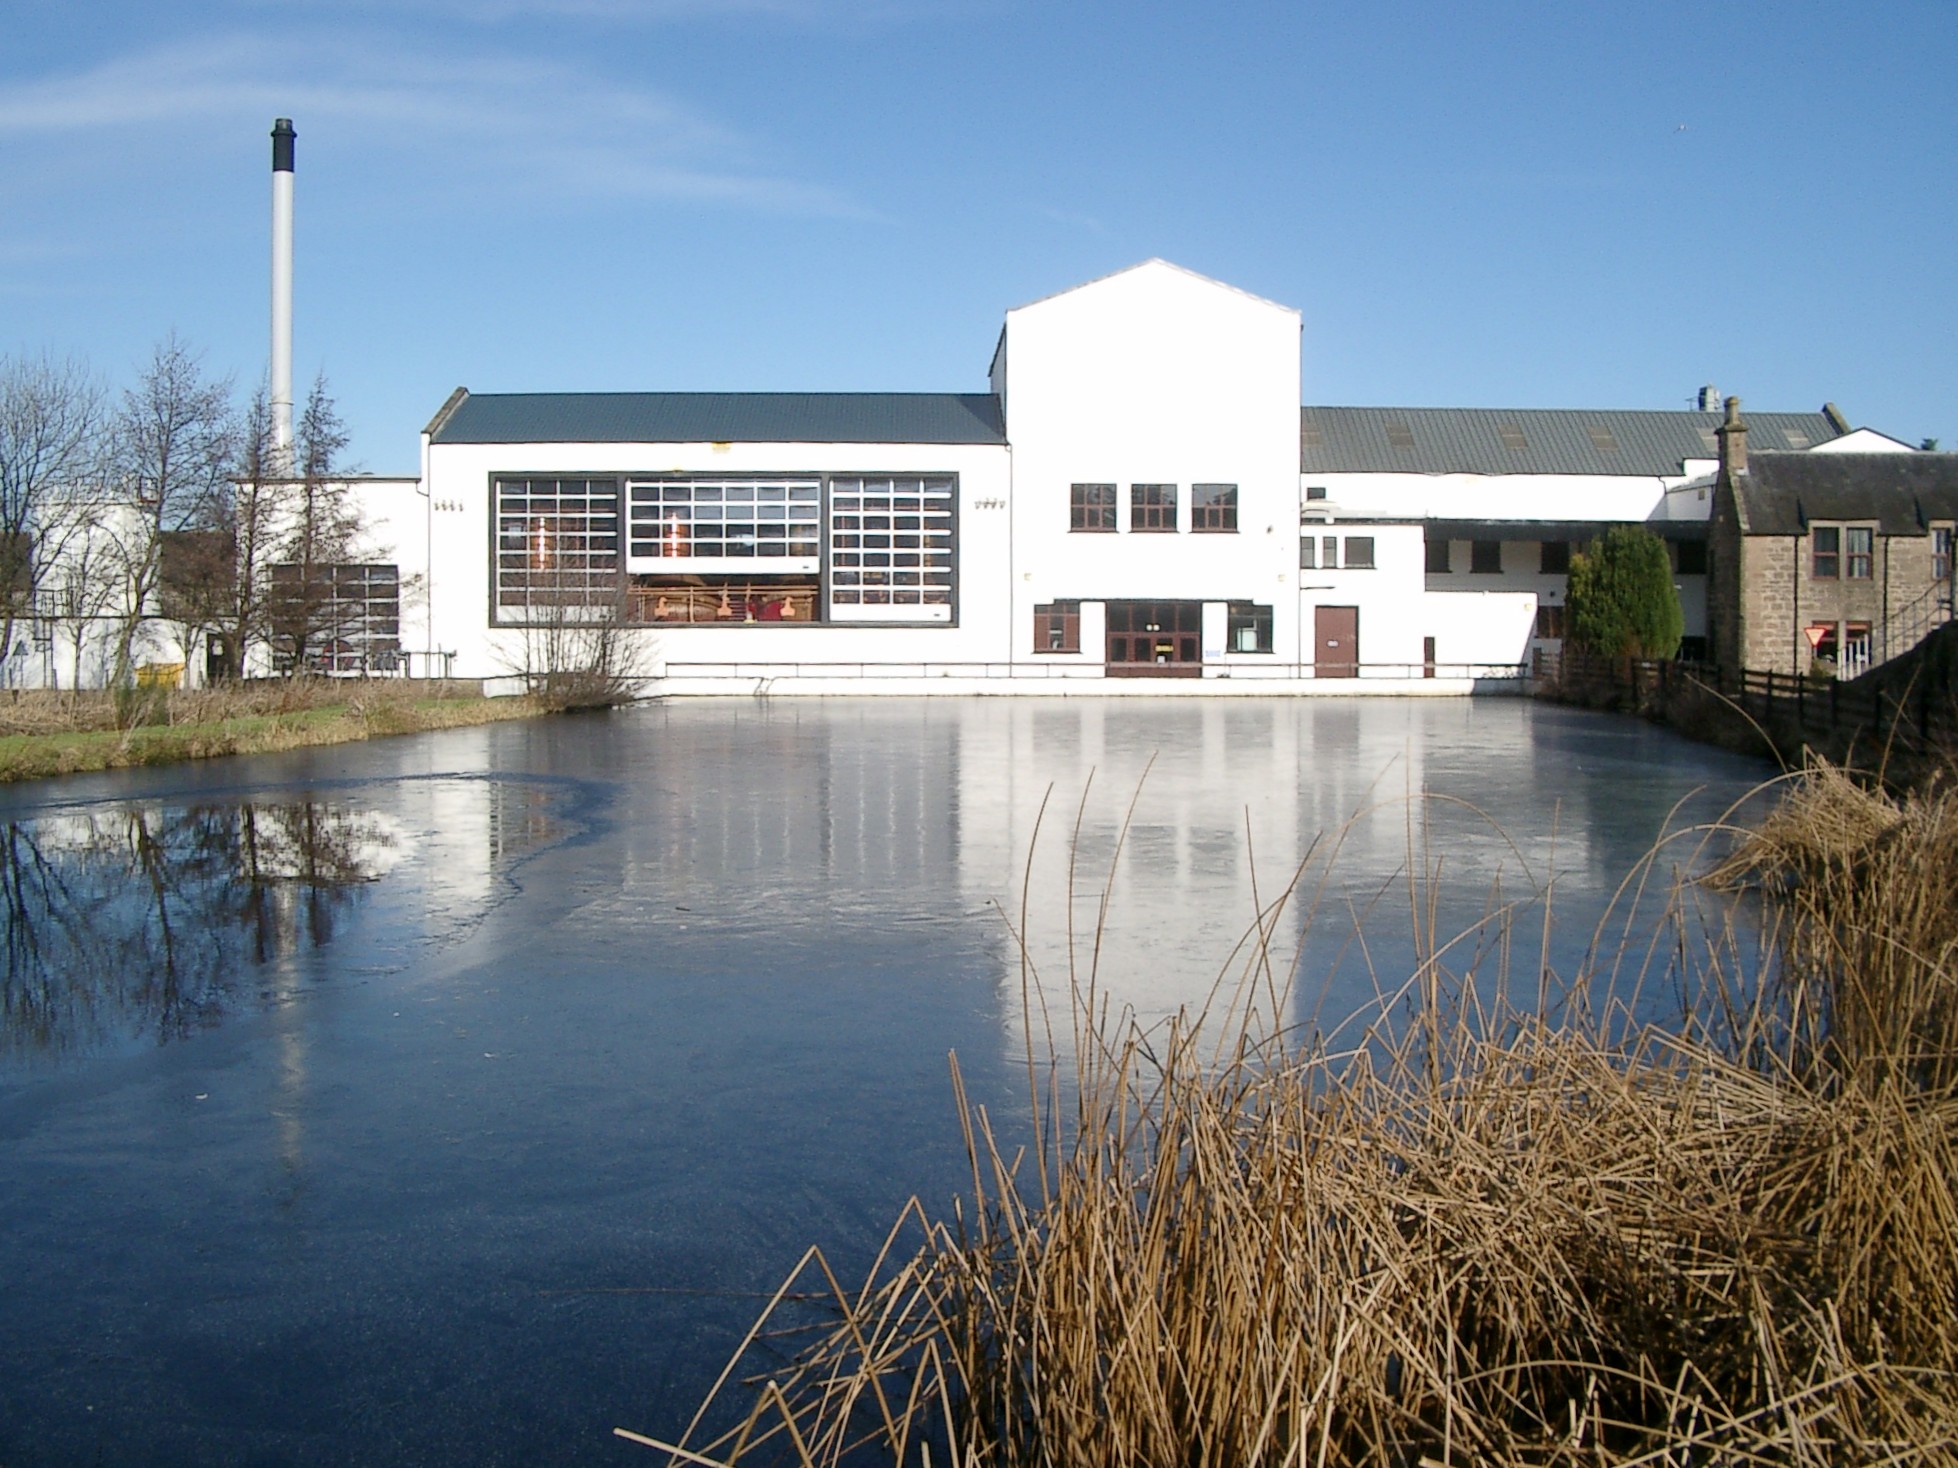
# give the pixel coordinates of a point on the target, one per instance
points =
(1621, 601)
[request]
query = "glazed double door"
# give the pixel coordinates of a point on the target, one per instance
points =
(1155, 639)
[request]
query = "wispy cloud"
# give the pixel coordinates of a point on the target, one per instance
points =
(524, 128)
(644, 12)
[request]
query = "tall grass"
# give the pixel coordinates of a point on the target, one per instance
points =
(1485, 1236)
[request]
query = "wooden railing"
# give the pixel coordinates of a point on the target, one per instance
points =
(1919, 714)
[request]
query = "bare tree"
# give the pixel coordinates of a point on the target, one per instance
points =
(173, 455)
(51, 430)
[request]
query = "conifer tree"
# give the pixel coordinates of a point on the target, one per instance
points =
(1621, 600)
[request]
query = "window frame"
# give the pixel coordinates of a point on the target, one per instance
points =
(1057, 627)
(1256, 618)
(1818, 556)
(1858, 555)
(1092, 507)
(1152, 508)
(1213, 509)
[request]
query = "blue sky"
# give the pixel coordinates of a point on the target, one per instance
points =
(1562, 204)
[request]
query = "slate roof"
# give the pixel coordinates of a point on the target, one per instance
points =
(1532, 440)
(720, 417)
(1902, 493)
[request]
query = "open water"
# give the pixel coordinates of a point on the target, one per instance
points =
(455, 1099)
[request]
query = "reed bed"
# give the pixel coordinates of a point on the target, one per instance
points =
(1484, 1235)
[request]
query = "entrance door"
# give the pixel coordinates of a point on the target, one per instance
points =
(1336, 633)
(1155, 639)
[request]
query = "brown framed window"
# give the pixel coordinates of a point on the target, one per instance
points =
(1858, 541)
(1825, 552)
(1359, 552)
(1091, 507)
(1057, 626)
(1249, 627)
(1152, 507)
(1213, 507)
(1485, 558)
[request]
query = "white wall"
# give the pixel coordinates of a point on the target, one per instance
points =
(1152, 375)
(460, 554)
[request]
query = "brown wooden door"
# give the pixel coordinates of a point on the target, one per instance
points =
(1336, 642)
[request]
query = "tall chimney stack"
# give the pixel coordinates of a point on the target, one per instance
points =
(1733, 443)
(282, 140)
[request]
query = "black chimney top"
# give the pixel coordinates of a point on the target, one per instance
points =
(282, 136)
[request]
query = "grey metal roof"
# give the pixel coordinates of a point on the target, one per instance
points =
(720, 417)
(1901, 493)
(1531, 440)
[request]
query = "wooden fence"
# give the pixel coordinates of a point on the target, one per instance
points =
(1916, 715)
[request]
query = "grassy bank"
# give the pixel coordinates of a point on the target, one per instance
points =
(1474, 1234)
(51, 733)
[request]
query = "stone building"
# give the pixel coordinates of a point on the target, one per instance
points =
(1827, 562)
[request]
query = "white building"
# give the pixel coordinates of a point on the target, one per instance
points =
(1138, 504)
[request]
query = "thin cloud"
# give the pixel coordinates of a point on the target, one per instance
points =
(528, 129)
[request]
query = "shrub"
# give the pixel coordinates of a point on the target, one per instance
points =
(1621, 600)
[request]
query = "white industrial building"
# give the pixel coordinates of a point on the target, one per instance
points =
(1139, 496)
(1137, 504)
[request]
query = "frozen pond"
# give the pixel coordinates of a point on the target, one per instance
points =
(452, 1099)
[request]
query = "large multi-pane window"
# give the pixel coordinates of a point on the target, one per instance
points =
(336, 619)
(891, 546)
(685, 518)
(1152, 507)
(1213, 507)
(557, 547)
(1091, 507)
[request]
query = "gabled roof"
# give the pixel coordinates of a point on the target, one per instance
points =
(1900, 493)
(1154, 264)
(720, 417)
(1531, 440)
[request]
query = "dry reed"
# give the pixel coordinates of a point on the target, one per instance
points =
(1484, 1237)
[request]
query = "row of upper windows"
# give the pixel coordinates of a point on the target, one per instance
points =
(1093, 508)
(1848, 552)
(1553, 557)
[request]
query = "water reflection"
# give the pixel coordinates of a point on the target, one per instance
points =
(139, 922)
